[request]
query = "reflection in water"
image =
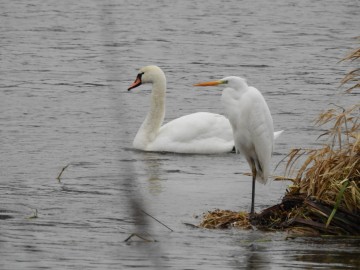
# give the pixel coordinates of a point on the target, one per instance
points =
(142, 223)
(155, 187)
(255, 251)
(150, 248)
(330, 253)
(153, 171)
(327, 258)
(256, 258)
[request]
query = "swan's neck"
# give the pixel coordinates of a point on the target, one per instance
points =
(155, 117)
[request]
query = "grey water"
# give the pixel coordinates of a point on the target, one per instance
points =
(65, 69)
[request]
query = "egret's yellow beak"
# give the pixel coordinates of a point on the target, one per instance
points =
(212, 83)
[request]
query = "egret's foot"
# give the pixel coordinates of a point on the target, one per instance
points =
(253, 218)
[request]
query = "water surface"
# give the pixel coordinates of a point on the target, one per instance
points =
(65, 70)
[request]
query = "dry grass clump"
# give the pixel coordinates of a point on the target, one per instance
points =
(329, 178)
(223, 219)
(332, 174)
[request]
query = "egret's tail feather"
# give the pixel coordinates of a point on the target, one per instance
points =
(277, 134)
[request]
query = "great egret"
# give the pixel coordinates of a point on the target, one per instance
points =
(252, 126)
(197, 133)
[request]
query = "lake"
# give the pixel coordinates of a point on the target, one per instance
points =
(65, 70)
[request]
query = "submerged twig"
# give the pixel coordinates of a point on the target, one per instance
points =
(63, 169)
(34, 215)
(139, 236)
(157, 220)
(191, 225)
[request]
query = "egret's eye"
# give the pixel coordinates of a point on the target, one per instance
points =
(225, 81)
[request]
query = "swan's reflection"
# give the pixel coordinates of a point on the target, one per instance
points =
(153, 171)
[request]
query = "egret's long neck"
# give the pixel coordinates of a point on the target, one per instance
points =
(155, 116)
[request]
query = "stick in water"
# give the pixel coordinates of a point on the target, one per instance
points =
(156, 220)
(63, 169)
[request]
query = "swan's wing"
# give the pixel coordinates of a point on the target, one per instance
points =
(203, 133)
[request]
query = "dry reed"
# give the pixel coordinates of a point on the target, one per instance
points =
(329, 169)
(354, 75)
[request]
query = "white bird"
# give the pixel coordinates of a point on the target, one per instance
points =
(252, 126)
(197, 133)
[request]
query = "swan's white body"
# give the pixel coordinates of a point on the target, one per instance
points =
(197, 133)
(251, 123)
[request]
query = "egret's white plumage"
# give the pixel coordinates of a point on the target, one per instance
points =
(251, 123)
(197, 133)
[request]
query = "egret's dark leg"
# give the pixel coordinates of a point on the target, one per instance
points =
(253, 168)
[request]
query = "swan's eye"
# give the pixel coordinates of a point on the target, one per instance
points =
(139, 75)
(137, 81)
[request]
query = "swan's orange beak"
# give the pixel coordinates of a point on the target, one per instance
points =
(136, 83)
(212, 83)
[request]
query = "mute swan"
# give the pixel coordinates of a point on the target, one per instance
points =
(197, 133)
(252, 126)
